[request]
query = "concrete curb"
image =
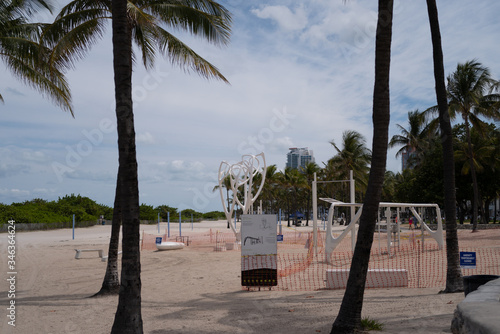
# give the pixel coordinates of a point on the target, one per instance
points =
(479, 312)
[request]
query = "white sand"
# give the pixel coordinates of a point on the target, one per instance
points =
(193, 290)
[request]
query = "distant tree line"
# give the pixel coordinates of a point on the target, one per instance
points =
(85, 209)
(421, 182)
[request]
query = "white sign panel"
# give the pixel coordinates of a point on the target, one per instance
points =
(258, 235)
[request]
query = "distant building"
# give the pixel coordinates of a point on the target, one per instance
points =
(405, 159)
(299, 157)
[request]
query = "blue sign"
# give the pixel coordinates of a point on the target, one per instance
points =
(468, 260)
(280, 237)
(158, 240)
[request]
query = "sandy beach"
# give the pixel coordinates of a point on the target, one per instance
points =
(192, 290)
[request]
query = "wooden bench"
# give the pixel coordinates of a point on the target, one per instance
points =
(375, 278)
(79, 251)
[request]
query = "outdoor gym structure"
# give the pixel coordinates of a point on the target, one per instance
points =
(332, 242)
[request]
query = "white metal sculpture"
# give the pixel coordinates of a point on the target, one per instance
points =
(241, 175)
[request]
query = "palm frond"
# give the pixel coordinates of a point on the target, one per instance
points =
(204, 18)
(50, 82)
(181, 55)
(144, 33)
(71, 36)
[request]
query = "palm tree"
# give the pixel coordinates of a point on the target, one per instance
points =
(483, 157)
(489, 180)
(81, 23)
(308, 171)
(269, 191)
(348, 319)
(389, 187)
(412, 140)
(226, 183)
(470, 94)
(128, 317)
(454, 282)
(291, 183)
(111, 281)
(352, 155)
(24, 56)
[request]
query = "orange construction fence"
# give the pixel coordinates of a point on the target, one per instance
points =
(417, 256)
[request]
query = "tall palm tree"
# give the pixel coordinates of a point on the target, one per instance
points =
(24, 56)
(489, 179)
(348, 319)
(484, 158)
(81, 23)
(471, 95)
(454, 280)
(128, 316)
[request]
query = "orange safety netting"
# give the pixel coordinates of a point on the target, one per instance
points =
(302, 267)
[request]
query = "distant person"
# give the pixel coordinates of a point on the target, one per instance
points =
(410, 221)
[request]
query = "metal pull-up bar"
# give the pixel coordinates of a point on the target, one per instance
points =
(315, 207)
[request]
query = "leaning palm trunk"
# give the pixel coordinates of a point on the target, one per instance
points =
(454, 281)
(349, 317)
(128, 318)
(111, 282)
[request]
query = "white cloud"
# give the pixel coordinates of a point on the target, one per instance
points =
(16, 195)
(315, 59)
(145, 138)
(286, 18)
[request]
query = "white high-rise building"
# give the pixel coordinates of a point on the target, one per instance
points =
(299, 157)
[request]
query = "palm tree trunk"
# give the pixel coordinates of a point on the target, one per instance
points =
(111, 282)
(349, 317)
(454, 280)
(128, 318)
(475, 189)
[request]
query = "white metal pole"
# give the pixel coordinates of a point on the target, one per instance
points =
(353, 209)
(388, 226)
(398, 226)
(315, 215)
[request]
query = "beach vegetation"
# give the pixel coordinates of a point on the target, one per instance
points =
(369, 324)
(62, 210)
(41, 211)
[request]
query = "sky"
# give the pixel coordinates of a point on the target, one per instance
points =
(300, 73)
